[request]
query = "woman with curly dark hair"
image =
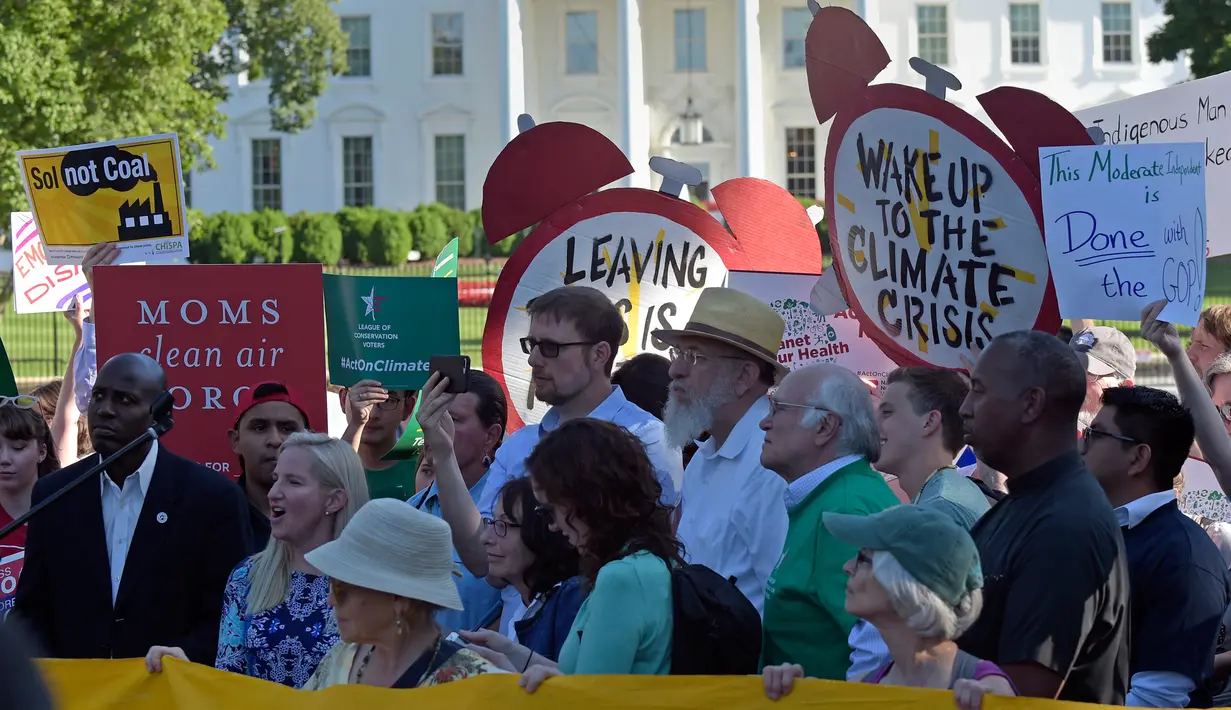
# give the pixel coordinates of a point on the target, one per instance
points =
(597, 486)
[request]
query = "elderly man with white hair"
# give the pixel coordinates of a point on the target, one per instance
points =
(820, 435)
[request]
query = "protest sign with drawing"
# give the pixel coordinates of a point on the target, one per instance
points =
(1193, 111)
(1202, 497)
(127, 191)
(1126, 226)
(375, 332)
(216, 331)
(39, 287)
(810, 337)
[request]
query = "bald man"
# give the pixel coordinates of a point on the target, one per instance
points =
(138, 556)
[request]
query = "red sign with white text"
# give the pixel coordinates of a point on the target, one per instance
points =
(217, 330)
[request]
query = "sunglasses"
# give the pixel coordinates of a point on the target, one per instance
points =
(548, 348)
(1225, 411)
(862, 558)
(22, 401)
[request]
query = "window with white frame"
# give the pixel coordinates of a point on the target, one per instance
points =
(1025, 33)
(359, 45)
(266, 174)
(447, 44)
(1117, 32)
(801, 162)
(581, 42)
(933, 21)
(451, 171)
(795, 22)
(689, 40)
(357, 175)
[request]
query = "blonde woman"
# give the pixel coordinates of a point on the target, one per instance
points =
(391, 571)
(276, 620)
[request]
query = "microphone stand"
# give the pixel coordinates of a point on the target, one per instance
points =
(161, 409)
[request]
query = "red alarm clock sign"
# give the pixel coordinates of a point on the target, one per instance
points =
(935, 222)
(650, 252)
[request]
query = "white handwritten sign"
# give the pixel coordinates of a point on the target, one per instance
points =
(39, 287)
(808, 336)
(1126, 226)
(1193, 111)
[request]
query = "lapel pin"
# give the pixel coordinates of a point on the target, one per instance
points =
(161, 517)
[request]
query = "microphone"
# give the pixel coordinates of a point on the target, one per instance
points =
(160, 411)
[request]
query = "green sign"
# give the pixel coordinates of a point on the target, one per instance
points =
(8, 385)
(446, 264)
(386, 328)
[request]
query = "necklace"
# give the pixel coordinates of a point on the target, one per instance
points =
(928, 480)
(367, 657)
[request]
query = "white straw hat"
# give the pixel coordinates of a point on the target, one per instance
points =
(391, 547)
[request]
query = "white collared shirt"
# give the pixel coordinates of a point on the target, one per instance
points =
(802, 486)
(1132, 513)
(732, 516)
(121, 510)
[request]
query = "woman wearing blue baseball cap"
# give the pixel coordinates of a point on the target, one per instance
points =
(917, 579)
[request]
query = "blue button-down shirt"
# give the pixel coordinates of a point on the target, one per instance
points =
(480, 599)
(510, 460)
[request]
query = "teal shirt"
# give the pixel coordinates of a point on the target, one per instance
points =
(624, 626)
(954, 495)
(805, 619)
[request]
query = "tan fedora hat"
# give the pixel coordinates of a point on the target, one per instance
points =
(737, 319)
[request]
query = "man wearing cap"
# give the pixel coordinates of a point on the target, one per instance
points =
(1110, 361)
(267, 415)
(820, 434)
(732, 518)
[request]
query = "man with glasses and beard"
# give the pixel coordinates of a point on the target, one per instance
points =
(732, 517)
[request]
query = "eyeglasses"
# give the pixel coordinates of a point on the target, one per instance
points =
(389, 404)
(776, 406)
(21, 401)
(500, 527)
(1090, 434)
(862, 558)
(692, 357)
(549, 348)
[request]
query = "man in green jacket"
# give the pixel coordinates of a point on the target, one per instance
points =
(819, 436)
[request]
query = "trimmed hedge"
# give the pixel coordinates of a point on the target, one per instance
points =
(355, 235)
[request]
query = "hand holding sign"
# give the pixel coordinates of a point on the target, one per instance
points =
(1160, 333)
(1126, 227)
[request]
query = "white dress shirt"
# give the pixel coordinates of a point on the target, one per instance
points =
(121, 510)
(732, 516)
(1153, 689)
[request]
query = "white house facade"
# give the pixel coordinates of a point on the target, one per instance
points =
(435, 88)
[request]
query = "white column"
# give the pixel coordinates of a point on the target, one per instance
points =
(513, 74)
(750, 100)
(635, 115)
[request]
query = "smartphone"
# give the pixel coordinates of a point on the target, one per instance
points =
(455, 367)
(455, 638)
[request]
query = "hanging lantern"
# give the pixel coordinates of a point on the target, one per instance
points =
(692, 129)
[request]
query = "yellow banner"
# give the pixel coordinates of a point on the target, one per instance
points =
(126, 191)
(108, 685)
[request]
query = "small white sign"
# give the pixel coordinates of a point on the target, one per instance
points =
(39, 287)
(1126, 226)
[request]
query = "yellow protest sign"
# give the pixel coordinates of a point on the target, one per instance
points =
(127, 191)
(104, 685)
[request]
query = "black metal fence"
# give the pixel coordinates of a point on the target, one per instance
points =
(39, 345)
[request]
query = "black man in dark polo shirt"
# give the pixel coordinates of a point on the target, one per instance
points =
(1135, 448)
(267, 415)
(1056, 586)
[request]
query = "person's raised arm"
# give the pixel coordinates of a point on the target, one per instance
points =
(1211, 434)
(64, 422)
(85, 361)
(360, 400)
(457, 508)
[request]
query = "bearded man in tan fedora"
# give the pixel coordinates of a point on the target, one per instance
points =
(732, 516)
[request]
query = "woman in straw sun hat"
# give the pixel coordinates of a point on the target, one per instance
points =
(390, 572)
(917, 578)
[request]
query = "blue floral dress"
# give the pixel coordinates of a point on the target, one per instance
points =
(283, 644)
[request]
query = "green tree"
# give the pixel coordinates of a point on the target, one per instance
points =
(78, 71)
(1202, 28)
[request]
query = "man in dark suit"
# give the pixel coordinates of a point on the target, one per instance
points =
(139, 556)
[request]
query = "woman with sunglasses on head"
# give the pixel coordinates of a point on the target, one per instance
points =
(916, 578)
(26, 454)
(390, 572)
(539, 562)
(596, 484)
(276, 621)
